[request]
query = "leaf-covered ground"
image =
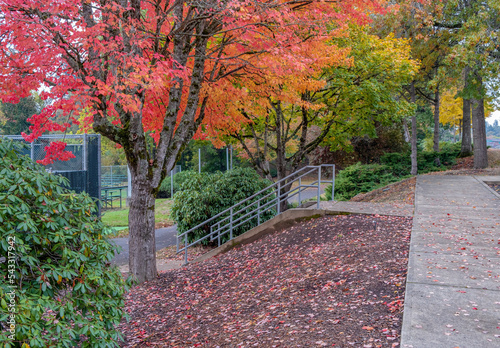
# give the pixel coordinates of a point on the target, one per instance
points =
(334, 281)
(400, 192)
(495, 187)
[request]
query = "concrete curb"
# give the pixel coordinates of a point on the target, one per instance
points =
(408, 303)
(284, 220)
(485, 184)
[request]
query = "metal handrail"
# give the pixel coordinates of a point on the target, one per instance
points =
(260, 209)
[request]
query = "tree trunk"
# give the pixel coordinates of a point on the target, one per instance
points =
(466, 149)
(479, 134)
(436, 122)
(281, 156)
(141, 222)
(435, 146)
(406, 131)
(414, 165)
(281, 172)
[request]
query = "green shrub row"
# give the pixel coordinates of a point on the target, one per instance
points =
(203, 196)
(360, 178)
(400, 163)
(393, 167)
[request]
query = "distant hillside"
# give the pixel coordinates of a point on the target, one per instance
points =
(492, 142)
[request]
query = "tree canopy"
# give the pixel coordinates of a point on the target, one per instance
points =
(148, 72)
(342, 98)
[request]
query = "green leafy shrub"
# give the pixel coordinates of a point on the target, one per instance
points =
(360, 178)
(57, 286)
(203, 196)
(179, 178)
(400, 163)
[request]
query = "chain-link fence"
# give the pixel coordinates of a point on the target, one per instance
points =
(114, 176)
(83, 171)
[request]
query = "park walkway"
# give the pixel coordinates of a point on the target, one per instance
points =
(453, 284)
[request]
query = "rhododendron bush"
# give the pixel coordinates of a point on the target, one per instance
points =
(149, 74)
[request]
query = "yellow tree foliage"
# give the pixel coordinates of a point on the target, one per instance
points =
(451, 108)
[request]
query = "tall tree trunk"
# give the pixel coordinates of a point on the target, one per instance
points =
(284, 187)
(479, 134)
(435, 146)
(142, 247)
(466, 149)
(479, 126)
(406, 131)
(281, 156)
(436, 121)
(414, 165)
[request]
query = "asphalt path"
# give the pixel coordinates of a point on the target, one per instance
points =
(164, 237)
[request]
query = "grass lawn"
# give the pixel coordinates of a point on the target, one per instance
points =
(119, 217)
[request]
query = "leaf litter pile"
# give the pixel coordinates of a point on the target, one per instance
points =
(333, 281)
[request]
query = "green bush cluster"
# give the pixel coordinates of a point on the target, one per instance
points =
(400, 163)
(203, 196)
(165, 190)
(57, 287)
(360, 178)
(393, 167)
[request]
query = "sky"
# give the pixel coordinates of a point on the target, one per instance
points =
(495, 115)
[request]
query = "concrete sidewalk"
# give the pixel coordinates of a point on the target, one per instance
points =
(453, 285)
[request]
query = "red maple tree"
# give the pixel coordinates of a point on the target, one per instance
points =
(145, 73)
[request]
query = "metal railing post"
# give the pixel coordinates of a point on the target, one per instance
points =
(333, 183)
(231, 224)
(258, 212)
(32, 152)
(84, 150)
(171, 184)
(278, 191)
(300, 188)
(319, 187)
(186, 249)
(199, 160)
